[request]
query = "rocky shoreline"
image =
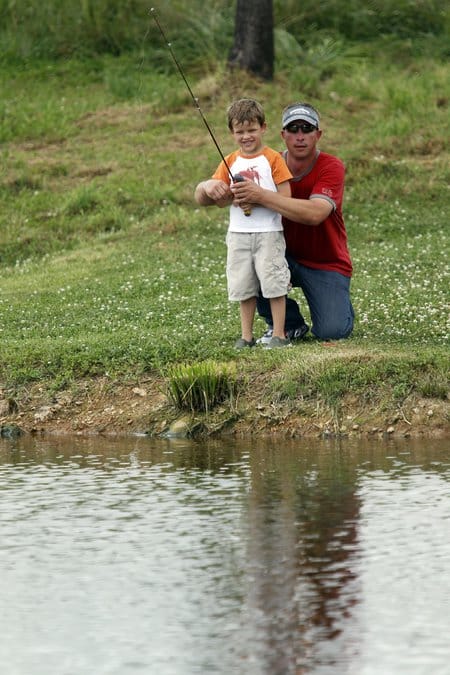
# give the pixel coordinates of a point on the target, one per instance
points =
(105, 407)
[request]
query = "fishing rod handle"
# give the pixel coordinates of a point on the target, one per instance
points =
(238, 178)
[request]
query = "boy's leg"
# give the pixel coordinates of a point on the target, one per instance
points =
(247, 308)
(294, 319)
(273, 273)
(278, 311)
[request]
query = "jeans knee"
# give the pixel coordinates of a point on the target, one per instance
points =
(330, 331)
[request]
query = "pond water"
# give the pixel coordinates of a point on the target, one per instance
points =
(131, 556)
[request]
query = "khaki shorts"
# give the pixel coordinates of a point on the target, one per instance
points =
(256, 261)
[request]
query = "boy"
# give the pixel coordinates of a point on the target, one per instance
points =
(255, 242)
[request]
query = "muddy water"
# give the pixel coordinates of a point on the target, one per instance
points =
(176, 557)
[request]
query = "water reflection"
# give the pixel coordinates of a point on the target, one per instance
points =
(131, 555)
(302, 538)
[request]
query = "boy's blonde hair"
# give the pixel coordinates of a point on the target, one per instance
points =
(245, 110)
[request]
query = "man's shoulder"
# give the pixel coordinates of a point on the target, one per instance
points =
(325, 159)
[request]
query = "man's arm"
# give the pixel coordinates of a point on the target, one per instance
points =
(306, 211)
(213, 193)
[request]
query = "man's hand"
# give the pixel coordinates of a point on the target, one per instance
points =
(246, 192)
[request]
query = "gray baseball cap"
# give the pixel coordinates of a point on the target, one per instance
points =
(296, 111)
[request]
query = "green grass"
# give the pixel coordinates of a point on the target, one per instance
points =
(108, 266)
(201, 386)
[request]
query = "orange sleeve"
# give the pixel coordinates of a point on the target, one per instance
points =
(280, 171)
(221, 173)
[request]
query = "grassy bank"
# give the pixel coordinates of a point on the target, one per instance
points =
(110, 273)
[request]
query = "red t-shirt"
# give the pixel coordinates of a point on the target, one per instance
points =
(323, 246)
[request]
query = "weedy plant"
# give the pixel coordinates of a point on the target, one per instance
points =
(198, 387)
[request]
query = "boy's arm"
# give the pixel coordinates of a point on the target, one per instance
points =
(213, 192)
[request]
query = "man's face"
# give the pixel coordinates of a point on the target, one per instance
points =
(301, 139)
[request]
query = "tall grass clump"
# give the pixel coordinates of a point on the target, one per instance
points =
(198, 387)
(55, 29)
(357, 20)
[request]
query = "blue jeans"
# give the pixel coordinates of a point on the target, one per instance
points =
(328, 298)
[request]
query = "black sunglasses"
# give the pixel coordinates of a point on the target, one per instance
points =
(304, 127)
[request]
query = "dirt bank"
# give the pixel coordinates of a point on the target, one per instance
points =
(107, 407)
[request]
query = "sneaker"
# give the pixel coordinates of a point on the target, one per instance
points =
(266, 338)
(277, 343)
(297, 333)
(293, 334)
(242, 344)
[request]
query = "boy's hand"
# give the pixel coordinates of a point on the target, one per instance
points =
(218, 191)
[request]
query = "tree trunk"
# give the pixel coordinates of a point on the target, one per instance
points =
(253, 48)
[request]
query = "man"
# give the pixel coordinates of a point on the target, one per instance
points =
(316, 239)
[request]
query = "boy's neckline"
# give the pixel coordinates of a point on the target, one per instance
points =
(253, 154)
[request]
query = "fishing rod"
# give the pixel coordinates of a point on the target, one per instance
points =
(237, 177)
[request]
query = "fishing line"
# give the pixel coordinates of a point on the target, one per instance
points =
(237, 178)
(194, 98)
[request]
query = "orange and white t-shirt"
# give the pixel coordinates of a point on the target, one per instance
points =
(268, 169)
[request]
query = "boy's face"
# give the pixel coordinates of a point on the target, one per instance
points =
(248, 136)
